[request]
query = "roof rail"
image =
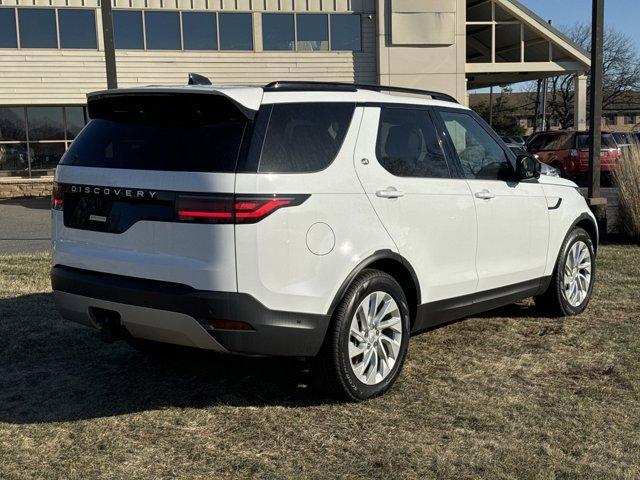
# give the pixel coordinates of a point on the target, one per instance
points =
(298, 86)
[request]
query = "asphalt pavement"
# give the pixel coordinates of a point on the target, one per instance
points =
(25, 225)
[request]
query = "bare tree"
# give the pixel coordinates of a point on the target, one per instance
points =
(621, 70)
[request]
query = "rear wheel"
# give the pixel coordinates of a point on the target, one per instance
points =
(367, 343)
(572, 282)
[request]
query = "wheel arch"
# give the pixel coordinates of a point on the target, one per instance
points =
(587, 223)
(395, 265)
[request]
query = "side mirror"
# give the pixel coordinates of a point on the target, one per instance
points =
(527, 167)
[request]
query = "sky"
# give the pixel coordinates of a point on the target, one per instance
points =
(624, 15)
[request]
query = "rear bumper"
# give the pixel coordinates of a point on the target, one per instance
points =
(178, 314)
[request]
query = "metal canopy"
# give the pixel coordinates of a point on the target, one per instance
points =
(508, 43)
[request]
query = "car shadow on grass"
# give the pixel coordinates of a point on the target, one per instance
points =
(52, 370)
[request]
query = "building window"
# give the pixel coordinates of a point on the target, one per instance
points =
(45, 123)
(530, 122)
(37, 28)
(278, 31)
(199, 31)
(345, 32)
(162, 30)
(313, 32)
(630, 119)
(236, 31)
(33, 139)
(8, 38)
(127, 29)
(77, 28)
(610, 120)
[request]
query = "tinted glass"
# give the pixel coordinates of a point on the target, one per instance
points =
(607, 141)
(45, 123)
(236, 32)
(304, 137)
(12, 124)
(127, 30)
(345, 32)
(277, 31)
(163, 30)
(408, 146)
(13, 156)
(77, 28)
(45, 156)
(481, 157)
(8, 37)
(312, 32)
(75, 121)
(182, 133)
(37, 28)
(199, 31)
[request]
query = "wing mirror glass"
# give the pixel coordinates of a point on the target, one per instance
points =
(527, 167)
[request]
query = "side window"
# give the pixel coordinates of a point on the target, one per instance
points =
(408, 146)
(304, 137)
(481, 157)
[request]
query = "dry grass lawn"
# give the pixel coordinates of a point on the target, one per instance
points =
(509, 395)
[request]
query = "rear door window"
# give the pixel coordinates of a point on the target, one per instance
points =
(196, 133)
(408, 145)
(607, 141)
(304, 137)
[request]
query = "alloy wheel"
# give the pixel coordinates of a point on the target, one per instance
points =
(577, 274)
(375, 338)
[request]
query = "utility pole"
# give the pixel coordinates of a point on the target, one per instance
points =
(491, 106)
(596, 202)
(545, 90)
(109, 44)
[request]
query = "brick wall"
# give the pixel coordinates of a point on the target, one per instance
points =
(25, 187)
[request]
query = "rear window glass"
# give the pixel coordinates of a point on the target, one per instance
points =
(607, 141)
(554, 141)
(174, 133)
(304, 137)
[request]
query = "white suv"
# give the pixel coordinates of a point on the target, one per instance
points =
(318, 220)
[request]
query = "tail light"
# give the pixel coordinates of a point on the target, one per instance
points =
(232, 208)
(57, 200)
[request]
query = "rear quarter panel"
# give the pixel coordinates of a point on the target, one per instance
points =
(297, 258)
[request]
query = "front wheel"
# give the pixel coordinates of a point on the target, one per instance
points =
(367, 343)
(572, 282)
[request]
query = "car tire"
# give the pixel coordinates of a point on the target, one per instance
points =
(339, 370)
(561, 298)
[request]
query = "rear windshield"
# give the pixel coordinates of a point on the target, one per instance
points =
(195, 133)
(607, 141)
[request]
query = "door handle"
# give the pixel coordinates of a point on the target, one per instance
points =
(485, 194)
(389, 192)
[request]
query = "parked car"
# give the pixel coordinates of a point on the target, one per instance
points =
(624, 140)
(544, 168)
(317, 220)
(568, 151)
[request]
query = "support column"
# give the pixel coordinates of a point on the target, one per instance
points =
(597, 203)
(580, 103)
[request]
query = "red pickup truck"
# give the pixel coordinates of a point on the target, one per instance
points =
(568, 151)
